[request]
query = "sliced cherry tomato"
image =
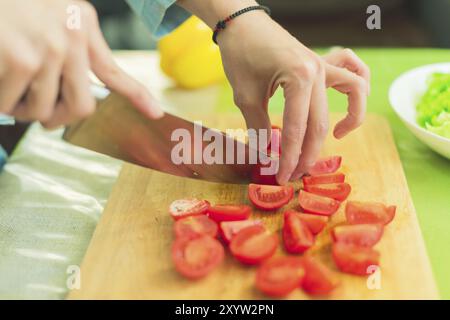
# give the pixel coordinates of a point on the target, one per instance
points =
(188, 207)
(253, 244)
(314, 222)
(297, 237)
(194, 226)
(337, 191)
(195, 258)
(313, 203)
(354, 259)
(366, 235)
(326, 165)
(324, 178)
(358, 212)
(228, 229)
(270, 197)
(280, 276)
(319, 279)
(229, 212)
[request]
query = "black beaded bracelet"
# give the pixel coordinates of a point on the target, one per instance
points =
(222, 24)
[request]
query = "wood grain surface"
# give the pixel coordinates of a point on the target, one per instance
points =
(129, 255)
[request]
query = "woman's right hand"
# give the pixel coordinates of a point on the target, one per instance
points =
(47, 48)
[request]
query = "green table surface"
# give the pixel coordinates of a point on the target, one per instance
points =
(428, 173)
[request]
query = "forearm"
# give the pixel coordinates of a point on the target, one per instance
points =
(211, 11)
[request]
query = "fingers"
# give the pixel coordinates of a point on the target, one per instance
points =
(355, 87)
(76, 99)
(297, 97)
(317, 129)
(106, 69)
(346, 58)
(43, 91)
(22, 65)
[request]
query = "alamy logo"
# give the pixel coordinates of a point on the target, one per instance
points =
(373, 22)
(212, 147)
(73, 281)
(73, 17)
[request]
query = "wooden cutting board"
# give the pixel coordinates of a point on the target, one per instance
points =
(129, 255)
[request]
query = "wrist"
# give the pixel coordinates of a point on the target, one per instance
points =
(211, 11)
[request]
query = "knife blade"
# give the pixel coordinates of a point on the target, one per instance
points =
(118, 130)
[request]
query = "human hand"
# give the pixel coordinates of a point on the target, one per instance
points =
(259, 56)
(44, 63)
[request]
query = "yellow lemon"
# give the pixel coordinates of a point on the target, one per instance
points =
(189, 56)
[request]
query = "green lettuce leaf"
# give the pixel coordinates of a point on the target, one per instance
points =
(433, 110)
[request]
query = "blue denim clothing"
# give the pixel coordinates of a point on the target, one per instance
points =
(4, 120)
(160, 16)
(3, 157)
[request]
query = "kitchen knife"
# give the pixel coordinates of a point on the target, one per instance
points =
(117, 129)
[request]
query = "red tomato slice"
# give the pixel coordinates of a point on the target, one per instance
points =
(270, 197)
(324, 178)
(337, 191)
(253, 244)
(354, 259)
(194, 226)
(314, 222)
(195, 258)
(326, 165)
(366, 235)
(313, 203)
(228, 229)
(229, 212)
(188, 207)
(319, 279)
(358, 212)
(279, 276)
(296, 235)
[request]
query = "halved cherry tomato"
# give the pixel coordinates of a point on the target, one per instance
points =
(297, 237)
(229, 212)
(270, 197)
(326, 165)
(228, 229)
(337, 191)
(279, 276)
(194, 226)
(319, 279)
(324, 178)
(358, 212)
(253, 244)
(354, 259)
(188, 207)
(314, 222)
(196, 257)
(366, 235)
(313, 203)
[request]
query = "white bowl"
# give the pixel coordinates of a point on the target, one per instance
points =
(404, 94)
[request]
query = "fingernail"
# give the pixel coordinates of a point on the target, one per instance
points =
(338, 133)
(158, 113)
